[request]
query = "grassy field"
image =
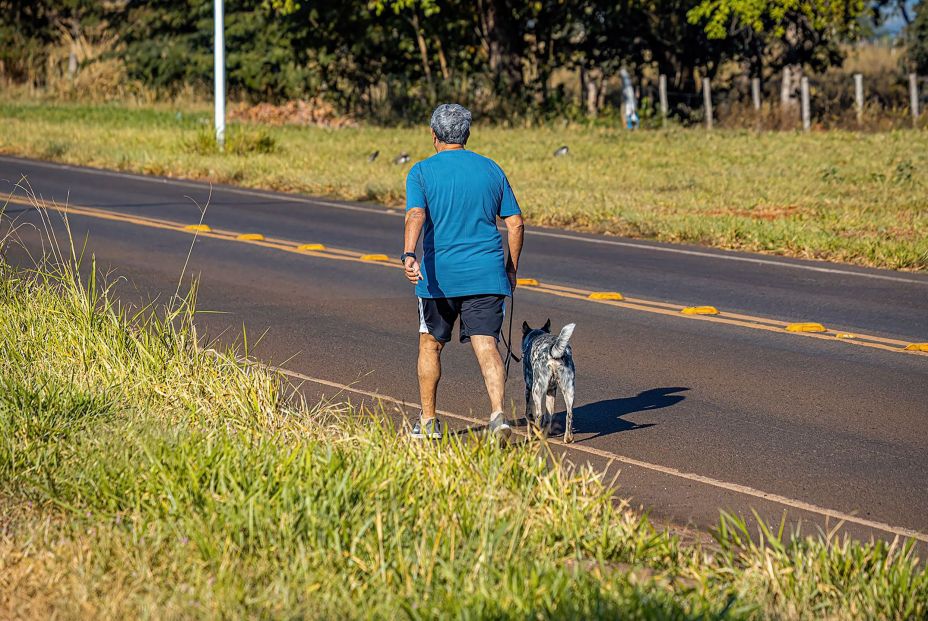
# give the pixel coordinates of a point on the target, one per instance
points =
(145, 476)
(852, 197)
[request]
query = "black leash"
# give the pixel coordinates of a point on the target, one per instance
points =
(508, 343)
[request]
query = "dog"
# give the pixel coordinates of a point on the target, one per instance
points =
(548, 364)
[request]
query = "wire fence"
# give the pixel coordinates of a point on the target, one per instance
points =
(814, 102)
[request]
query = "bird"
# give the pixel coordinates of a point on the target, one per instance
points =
(562, 151)
(373, 156)
(402, 158)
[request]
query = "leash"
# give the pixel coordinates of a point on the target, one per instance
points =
(508, 343)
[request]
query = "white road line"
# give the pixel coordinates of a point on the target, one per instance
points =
(712, 255)
(690, 476)
(203, 185)
(293, 198)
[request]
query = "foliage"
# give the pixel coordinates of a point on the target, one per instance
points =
(916, 37)
(394, 59)
(778, 33)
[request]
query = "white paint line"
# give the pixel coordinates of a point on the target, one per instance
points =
(690, 476)
(726, 257)
(204, 185)
(294, 198)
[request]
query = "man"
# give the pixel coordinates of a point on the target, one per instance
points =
(454, 197)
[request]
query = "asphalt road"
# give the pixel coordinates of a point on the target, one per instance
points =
(698, 415)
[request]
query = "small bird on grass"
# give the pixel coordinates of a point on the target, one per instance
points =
(402, 158)
(373, 156)
(562, 151)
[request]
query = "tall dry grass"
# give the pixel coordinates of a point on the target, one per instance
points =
(145, 474)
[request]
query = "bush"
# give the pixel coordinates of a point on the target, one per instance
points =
(239, 141)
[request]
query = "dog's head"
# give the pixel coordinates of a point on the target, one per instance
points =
(529, 334)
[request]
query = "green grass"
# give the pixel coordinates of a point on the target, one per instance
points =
(844, 196)
(143, 475)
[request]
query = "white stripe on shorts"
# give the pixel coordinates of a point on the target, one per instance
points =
(423, 329)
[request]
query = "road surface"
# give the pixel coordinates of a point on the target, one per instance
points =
(696, 413)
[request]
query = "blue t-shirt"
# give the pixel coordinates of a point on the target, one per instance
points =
(462, 193)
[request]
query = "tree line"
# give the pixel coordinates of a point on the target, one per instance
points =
(395, 58)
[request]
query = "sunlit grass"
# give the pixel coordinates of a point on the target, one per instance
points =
(845, 196)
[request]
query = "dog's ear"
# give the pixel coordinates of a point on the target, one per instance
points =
(525, 328)
(547, 327)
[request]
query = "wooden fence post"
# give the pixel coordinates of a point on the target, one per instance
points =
(662, 87)
(755, 92)
(859, 96)
(707, 101)
(913, 97)
(806, 113)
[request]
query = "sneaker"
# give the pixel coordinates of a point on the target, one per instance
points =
(499, 427)
(430, 429)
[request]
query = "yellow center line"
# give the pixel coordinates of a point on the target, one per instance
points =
(337, 254)
(676, 308)
(717, 319)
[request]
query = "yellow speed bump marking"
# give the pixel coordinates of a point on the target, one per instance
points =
(845, 335)
(374, 257)
(806, 326)
(198, 228)
(606, 295)
(250, 237)
(308, 247)
(700, 310)
(662, 308)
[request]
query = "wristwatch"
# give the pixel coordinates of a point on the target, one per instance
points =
(407, 254)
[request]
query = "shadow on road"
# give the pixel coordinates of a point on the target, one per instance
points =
(604, 418)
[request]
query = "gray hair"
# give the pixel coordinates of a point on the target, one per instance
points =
(451, 123)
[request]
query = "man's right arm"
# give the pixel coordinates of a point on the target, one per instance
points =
(415, 220)
(515, 229)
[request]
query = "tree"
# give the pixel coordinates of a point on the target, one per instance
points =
(28, 30)
(785, 36)
(916, 38)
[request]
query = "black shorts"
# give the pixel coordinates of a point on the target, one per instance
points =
(480, 314)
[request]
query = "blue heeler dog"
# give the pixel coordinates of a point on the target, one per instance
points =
(548, 364)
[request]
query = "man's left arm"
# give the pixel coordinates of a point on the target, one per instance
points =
(511, 214)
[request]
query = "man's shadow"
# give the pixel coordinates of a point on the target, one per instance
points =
(604, 418)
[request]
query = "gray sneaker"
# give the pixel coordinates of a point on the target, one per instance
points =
(430, 429)
(498, 426)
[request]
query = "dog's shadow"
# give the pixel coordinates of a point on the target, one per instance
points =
(604, 418)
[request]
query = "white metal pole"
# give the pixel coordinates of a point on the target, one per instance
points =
(859, 96)
(219, 74)
(662, 88)
(913, 96)
(806, 114)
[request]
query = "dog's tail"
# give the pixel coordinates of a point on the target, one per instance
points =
(563, 339)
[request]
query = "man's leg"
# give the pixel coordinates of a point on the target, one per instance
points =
(491, 365)
(429, 368)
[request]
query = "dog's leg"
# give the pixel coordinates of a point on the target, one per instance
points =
(569, 424)
(538, 391)
(529, 416)
(549, 407)
(567, 390)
